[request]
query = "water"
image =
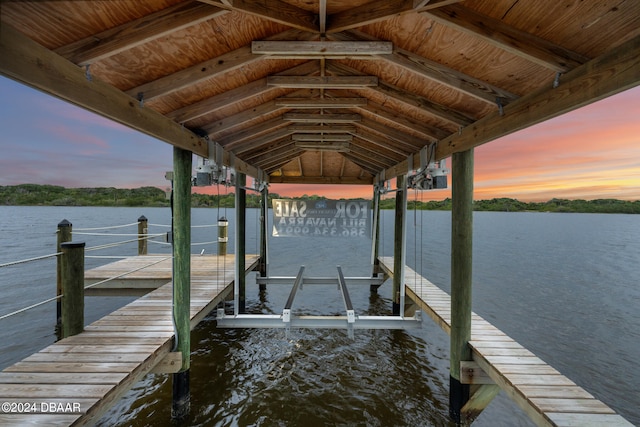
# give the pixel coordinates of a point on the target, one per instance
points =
(564, 285)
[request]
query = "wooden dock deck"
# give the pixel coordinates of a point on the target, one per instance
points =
(73, 381)
(547, 397)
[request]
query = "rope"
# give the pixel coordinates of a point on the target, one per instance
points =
(119, 235)
(128, 272)
(110, 245)
(204, 226)
(204, 243)
(107, 257)
(22, 261)
(105, 228)
(30, 307)
(159, 243)
(160, 225)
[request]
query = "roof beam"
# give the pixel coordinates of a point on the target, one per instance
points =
(321, 118)
(323, 129)
(411, 142)
(344, 180)
(314, 103)
(310, 137)
(496, 33)
(322, 82)
(211, 68)
(613, 72)
(254, 143)
(139, 31)
(32, 64)
(429, 132)
(318, 49)
(272, 10)
(323, 146)
(250, 132)
(435, 72)
(242, 118)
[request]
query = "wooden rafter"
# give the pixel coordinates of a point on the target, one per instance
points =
(498, 34)
(241, 93)
(435, 72)
(127, 36)
(416, 101)
(345, 180)
(254, 131)
(428, 131)
(321, 118)
(378, 10)
(316, 103)
(272, 10)
(230, 61)
(254, 143)
(23, 61)
(611, 73)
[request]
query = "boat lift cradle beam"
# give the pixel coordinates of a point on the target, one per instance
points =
(287, 320)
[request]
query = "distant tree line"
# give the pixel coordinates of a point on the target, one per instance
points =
(51, 195)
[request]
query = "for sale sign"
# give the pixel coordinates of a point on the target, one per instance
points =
(321, 218)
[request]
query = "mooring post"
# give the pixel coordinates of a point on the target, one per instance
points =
(64, 235)
(264, 216)
(375, 241)
(241, 219)
(143, 225)
(72, 288)
(399, 246)
(181, 278)
(223, 235)
(461, 276)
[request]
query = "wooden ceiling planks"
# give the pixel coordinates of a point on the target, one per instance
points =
(451, 60)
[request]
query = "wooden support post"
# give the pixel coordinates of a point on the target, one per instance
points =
(181, 278)
(143, 227)
(72, 288)
(479, 400)
(375, 241)
(64, 235)
(223, 236)
(240, 243)
(264, 217)
(461, 277)
(399, 245)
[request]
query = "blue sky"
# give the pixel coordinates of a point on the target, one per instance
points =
(593, 152)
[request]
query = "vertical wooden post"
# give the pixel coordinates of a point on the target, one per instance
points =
(240, 242)
(181, 278)
(461, 276)
(375, 241)
(143, 225)
(72, 288)
(264, 217)
(223, 235)
(64, 235)
(399, 246)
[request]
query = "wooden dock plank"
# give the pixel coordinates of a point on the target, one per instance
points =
(97, 366)
(545, 395)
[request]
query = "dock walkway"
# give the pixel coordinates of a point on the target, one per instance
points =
(73, 381)
(547, 397)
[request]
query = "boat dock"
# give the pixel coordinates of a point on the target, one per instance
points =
(73, 381)
(500, 363)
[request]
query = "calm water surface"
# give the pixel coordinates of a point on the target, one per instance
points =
(564, 285)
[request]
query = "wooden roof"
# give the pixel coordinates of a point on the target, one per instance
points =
(324, 91)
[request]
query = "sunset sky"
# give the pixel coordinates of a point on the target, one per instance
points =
(590, 153)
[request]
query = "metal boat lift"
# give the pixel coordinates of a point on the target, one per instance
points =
(287, 320)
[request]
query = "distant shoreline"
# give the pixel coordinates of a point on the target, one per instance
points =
(51, 195)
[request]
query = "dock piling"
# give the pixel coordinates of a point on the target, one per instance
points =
(264, 212)
(241, 219)
(223, 235)
(143, 228)
(461, 277)
(399, 245)
(72, 288)
(65, 229)
(181, 278)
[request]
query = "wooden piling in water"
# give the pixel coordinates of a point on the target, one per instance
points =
(72, 288)
(143, 227)
(264, 216)
(375, 241)
(240, 243)
(65, 229)
(223, 235)
(461, 277)
(399, 244)
(181, 278)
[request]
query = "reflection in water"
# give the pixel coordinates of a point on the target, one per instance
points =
(314, 378)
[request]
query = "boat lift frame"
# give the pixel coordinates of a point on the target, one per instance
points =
(287, 320)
